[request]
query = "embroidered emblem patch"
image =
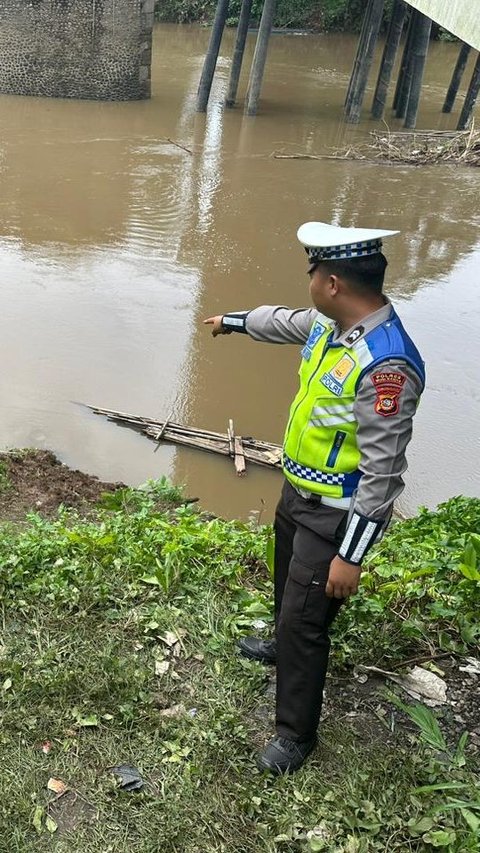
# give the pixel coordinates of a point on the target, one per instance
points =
(354, 335)
(343, 368)
(332, 385)
(316, 333)
(388, 386)
(335, 378)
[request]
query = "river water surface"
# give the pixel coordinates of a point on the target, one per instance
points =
(115, 243)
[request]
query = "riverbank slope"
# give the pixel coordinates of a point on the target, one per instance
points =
(119, 621)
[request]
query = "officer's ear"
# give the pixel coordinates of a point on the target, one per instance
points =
(334, 284)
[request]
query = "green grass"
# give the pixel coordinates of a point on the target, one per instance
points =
(86, 607)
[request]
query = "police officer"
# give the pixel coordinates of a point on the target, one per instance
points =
(361, 378)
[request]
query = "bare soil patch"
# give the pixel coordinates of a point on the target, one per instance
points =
(36, 481)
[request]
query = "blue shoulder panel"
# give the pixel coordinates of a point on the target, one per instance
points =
(391, 341)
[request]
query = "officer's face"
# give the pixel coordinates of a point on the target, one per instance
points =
(323, 289)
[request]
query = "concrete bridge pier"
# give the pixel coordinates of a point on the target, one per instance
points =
(456, 78)
(210, 63)
(238, 53)
(392, 43)
(470, 98)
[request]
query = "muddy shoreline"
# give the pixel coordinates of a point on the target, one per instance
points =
(36, 481)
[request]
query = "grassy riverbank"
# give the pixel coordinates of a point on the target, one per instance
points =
(117, 647)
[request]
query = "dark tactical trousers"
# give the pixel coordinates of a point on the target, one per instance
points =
(307, 537)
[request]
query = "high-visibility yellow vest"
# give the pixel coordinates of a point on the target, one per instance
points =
(320, 447)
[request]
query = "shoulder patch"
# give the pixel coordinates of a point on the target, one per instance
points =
(388, 386)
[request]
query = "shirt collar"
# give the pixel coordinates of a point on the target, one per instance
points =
(370, 322)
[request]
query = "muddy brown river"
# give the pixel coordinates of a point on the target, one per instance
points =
(115, 243)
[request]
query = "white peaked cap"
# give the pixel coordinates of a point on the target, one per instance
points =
(323, 241)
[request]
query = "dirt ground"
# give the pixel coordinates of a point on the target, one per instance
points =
(36, 481)
(363, 705)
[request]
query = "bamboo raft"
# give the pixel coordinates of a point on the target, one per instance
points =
(240, 449)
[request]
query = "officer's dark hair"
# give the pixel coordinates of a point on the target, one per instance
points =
(365, 275)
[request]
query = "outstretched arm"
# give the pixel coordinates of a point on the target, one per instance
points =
(274, 324)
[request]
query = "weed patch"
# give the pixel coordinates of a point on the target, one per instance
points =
(117, 647)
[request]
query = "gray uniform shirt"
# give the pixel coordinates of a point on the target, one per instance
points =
(382, 441)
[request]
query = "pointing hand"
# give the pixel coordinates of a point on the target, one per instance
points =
(216, 322)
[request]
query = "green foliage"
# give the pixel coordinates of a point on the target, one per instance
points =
(4, 478)
(420, 586)
(315, 14)
(117, 646)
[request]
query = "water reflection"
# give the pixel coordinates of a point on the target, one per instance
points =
(115, 243)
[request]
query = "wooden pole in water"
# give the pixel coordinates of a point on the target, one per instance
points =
(420, 43)
(260, 57)
(390, 51)
(211, 57)
(456, 78)
(360, 51)
(239, 50)
(358, 90)
(406, 82)
(403, 64)
(470, 97)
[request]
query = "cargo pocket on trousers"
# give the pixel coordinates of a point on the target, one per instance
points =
(297, 589)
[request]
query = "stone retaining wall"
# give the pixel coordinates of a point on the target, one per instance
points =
(100, 49)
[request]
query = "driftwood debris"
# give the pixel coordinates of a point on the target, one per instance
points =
(411, 148)
(240, 449)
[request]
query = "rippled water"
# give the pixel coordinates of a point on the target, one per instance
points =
(115, 243)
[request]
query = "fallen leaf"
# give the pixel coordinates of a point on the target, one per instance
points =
(419, 683)
(50, 824)
(37, 818)
(56, 785)
(161, 667)
(171, 638)
(174, 711)
(46, 746)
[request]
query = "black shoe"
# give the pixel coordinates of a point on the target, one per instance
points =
(284, 756)
(256, 649)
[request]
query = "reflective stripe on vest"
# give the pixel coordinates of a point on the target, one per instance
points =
(320, 446)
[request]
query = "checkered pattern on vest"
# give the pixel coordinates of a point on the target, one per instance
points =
(312, 474)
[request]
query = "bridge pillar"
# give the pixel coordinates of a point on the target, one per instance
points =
(390, 51)
(359, 84)
(210, 63)
(470, 97)
(260, 57)
(237, 61)
(420, 43)
(456, 78)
